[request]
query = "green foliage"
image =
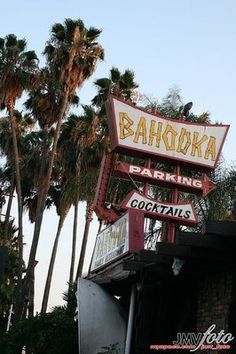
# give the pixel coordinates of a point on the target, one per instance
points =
(8, 280)
(52, 333)
(213, 207)
(119, 84)
(219, 202)
(17, 67)
(172, 106)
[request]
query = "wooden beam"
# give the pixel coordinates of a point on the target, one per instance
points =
(188, 252)
(221, 228)
(205, 241)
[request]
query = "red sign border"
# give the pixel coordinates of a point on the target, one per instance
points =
(128, 150)
(123, 173)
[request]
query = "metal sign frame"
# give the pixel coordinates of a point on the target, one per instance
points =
(108, 248)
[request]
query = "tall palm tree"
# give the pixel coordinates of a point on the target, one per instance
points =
(118, 84)
(77, 147)
(74, 241)
(32, 148)
(63, 208)
(70, 156)
(89, 181)
(10, 192)
(8, 279)
(89, 140)
(71, 56)
(77, 150)
(24, 124)
(17, 73)
(67, 194)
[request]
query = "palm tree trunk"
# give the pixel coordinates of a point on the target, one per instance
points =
(89, 218)
(31, 296)
(43, 161)
(40, 210)
(75, 224)
(19, 197)
(51, 265)
(9, 205)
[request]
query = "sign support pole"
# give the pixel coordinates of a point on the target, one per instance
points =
(148, 164)
(175, 195)
(130, 320)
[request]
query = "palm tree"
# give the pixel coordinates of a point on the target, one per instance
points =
(10, 192)
(24, 125)
(68, 158)
(74, 242)
(89, 143)
(118, 84)
(76, 150)
(8, 280)
(76, 132)
(69, 162)
(32, 150)
(88, 181)
(71, 55)
(17, 73)
(82, 132)
(62, 211)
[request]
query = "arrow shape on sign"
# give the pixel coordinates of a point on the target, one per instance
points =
(182, 213)
(158, 177)
(207, 186)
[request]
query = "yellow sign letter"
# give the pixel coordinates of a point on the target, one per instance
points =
(197, 144)
(211, 149)
(155, 133)
(184, 135)
(125, 124)
(169, 140)
(141, 131)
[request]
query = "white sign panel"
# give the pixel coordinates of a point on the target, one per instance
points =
(181, 212)
(111, 243)
(165, 176)
(137, 130)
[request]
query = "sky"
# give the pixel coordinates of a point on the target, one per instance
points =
(188, 44)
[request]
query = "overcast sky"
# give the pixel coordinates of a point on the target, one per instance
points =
(191, 44)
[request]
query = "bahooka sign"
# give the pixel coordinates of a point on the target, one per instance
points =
(133, 129)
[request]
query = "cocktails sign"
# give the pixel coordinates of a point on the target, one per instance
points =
(135, 130)
(182, 212)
